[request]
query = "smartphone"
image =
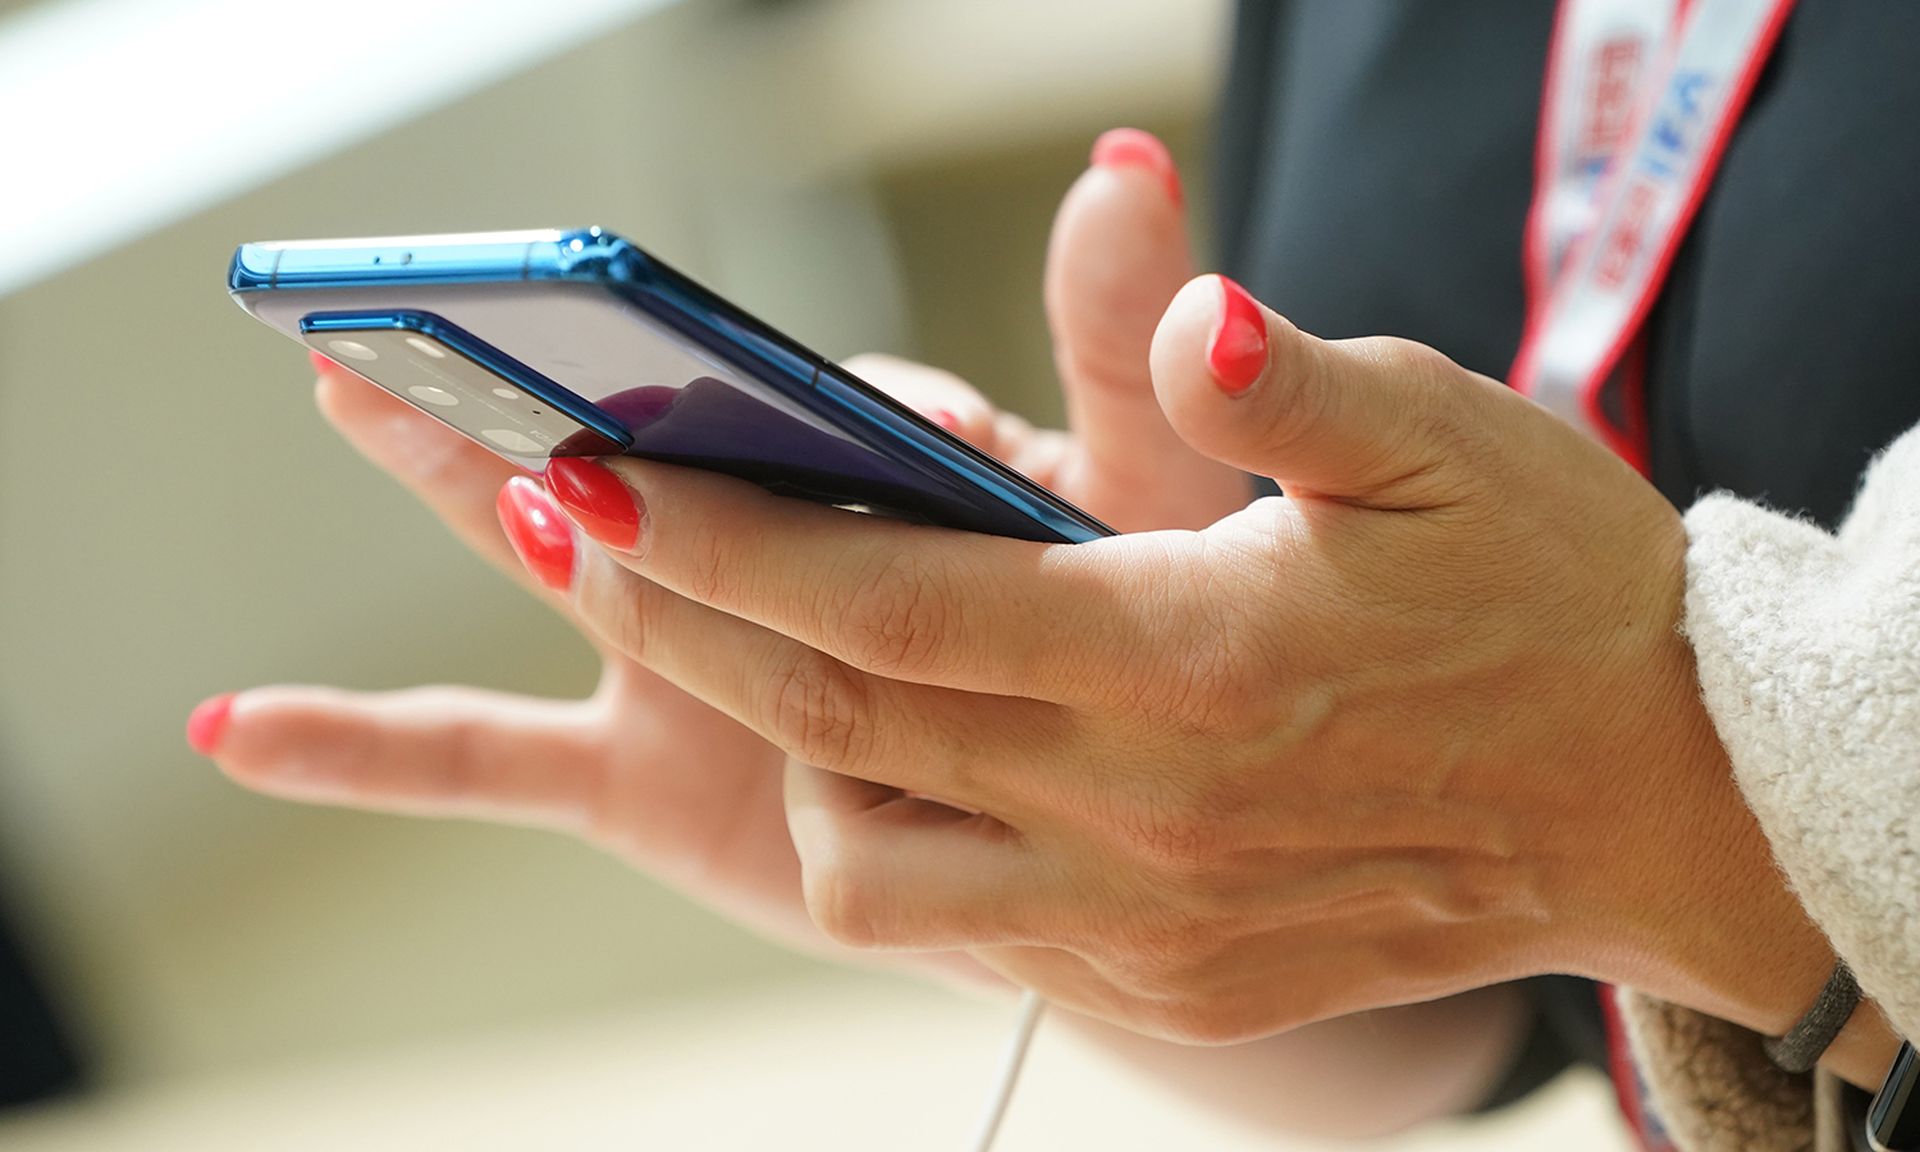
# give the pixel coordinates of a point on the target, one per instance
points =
(579, 343)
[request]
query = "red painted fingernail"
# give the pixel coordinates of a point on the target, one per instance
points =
(208, 723)
(604, 507)
(1132, 148)
(946, 419)
(321, 362)
(538, 532)
(1237, 352)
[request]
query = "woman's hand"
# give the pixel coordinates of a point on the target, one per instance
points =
(1422, 725)
(641, 768)
(692, 796)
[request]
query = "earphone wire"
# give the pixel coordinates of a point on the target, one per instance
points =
(1031, 1008)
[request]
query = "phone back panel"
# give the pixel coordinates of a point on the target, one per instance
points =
(687, 377)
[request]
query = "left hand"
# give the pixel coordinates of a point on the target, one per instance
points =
(1421, 725)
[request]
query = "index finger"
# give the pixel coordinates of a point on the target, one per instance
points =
(908, 602)
(454, 477)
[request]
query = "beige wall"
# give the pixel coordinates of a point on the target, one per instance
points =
(175, 520)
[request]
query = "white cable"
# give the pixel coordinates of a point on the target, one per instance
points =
(1031, 1006)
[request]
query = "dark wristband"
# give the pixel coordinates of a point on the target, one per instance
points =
(1803, 1045)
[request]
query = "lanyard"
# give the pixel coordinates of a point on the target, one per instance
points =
(1640, 99)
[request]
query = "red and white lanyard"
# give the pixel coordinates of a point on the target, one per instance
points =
(1641, 97)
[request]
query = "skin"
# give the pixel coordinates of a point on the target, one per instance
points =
(687, 794)
(1423, 725)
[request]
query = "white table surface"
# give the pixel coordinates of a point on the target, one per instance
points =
(828, 1065)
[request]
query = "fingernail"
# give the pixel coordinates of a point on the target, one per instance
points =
(538, 532)
(946, 419)
(1237, 352)
(1132, 148)
(597, 500)
(207, 723)
(321, 362)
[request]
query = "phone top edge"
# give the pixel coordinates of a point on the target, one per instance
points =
(545, 254)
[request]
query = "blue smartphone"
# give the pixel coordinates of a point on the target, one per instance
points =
(579, 343)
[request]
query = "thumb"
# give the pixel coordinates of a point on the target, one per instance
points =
(1376, 421)
(1117, 255)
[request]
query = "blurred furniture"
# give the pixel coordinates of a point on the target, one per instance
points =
(37, 1057)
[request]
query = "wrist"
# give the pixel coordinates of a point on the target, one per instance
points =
(1678, 894)
(1700, 915)
(1865, 1048)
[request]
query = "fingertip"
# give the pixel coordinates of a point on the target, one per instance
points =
(937, 396)
(539, 532)
(207, 724)
(1215, 347)
(596, 499)
(1237, 344)
(973, 423)
(1132, 148)
(347, 401)
(1178, 355)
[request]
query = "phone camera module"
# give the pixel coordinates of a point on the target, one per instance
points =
(352, 350)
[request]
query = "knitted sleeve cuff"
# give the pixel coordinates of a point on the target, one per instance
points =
(1808, 647)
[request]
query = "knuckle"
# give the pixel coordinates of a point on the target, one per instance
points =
(1296, 384)
(629, 614)
(1210, 1022)
(457, 779)
(1412, 358)
(710, 572)
(842, 903)
(817, 709)
(1172, 956)
(867, 365)
(896, 617)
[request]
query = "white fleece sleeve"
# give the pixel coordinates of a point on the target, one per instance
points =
(1808, 646)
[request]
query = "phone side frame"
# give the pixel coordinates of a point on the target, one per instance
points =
(721, 329)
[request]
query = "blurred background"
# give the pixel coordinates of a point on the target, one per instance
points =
(186, 965)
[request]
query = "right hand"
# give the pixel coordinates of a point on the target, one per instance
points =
(640, 767)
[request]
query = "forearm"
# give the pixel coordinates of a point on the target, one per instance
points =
(1370, 1074)
(1366, 1075)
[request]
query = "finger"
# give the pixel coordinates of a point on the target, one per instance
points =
(1117, 256)
(932, 393)
(454, 477)
(422, 751)
(1377, 421)
(884, 870)
(805, 702)
(906, 602)
(958, 407)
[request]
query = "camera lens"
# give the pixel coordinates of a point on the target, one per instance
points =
(352, 350)
(513, 441)
(428, 394)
